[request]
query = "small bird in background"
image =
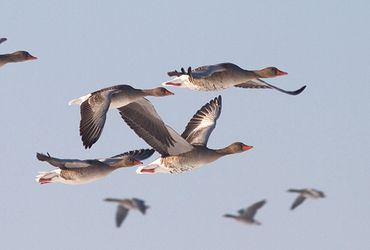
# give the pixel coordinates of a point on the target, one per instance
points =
(94, 108)
(247, 215)
(188, 151)
(225, 75)
(19, 56)
(73, 171)
(124, 205)
(305, 193)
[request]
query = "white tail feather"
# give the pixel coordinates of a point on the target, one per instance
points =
(79, 100)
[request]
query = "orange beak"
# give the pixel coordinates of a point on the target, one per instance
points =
(168, 92)
(281, 73)
(246, 147)
(31, 57)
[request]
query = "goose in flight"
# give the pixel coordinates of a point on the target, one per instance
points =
(124, 205)
(225, 75)
(94, 108)
(187, 151)
(247, 215)
(73, 171)
(305, 193)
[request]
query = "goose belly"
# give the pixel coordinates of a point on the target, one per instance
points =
(81, 176)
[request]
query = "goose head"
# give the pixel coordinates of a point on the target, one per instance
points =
(20, 56)
(270, 72)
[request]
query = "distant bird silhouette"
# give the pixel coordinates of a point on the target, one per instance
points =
(188, 151)
(94, 108)
(124, 205)
(247, 215)
(72, 171)
(303, 194)
(225, 75)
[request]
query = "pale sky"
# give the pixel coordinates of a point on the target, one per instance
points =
(319, 139)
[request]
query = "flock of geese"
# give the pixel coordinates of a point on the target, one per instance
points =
(179, 152)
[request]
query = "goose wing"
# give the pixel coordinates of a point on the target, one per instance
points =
(93, 115)
(203, 122)
(142, 117)
(64, 163)
(298, 201)
(121, 214)
(251, 211)
(260, 84)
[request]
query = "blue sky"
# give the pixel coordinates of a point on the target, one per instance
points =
(318, 139)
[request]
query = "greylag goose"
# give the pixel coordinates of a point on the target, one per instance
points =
(72, 171)
(305, 193)
(19, 56)
(225, 75)
(124, 205)
(187, 151)
(247, 215)
(94, 108)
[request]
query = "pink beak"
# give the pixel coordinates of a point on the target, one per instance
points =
(246, 147)
(281, 73)
(31, 57)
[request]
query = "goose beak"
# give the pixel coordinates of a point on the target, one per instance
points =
(281, 73)
(246, 147)
(31, 57)
(167, 92)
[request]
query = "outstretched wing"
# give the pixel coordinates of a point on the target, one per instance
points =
(251, 210)
(64, 163)
(207, 70)
(121, 214)
(298, 201)
(203, 122)
(140, 154)
(258, 83)
(93, 115)
(147, 124)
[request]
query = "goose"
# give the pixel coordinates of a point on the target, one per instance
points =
(73, 171)
(124, 205)
(188, 151)
(247, 215)
(225, 75)
(305, 193)
(94, 108)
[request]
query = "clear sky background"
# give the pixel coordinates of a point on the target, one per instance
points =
(319, 139)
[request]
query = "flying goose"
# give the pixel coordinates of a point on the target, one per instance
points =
(94, 108)
(247, 215)
(124, 205)
(305, 193)
(225, 75)
(73, 171)
(187, 151)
